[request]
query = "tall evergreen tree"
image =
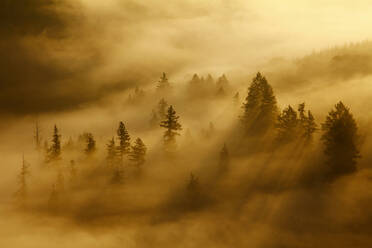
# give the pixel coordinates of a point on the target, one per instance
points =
(90, 145)
(340, 138)
(54, 152)
(307, 123)
(287, 125)
(37, 136)
(172, 126)
(260, 108)
(154, 120)
(22, 179)
(111, 152)
(162, 108)
(163, 83)
(124, 141)
(138, 153)
(224, 159)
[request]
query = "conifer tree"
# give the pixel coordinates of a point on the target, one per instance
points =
(287, 125)
(260, 109)
(222, 82)
(340, 139)
(54, 152)
(22, 179)
(90, 144)
(124, 141)
(111, 152)
(307, 123)
(224, 159)
(37, 137)
(163, 83)
(162, 108)
(172, 126)
(73, 171)
(138, 153)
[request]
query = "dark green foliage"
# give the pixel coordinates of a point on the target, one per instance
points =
(260, 109)
(340, 138)
(138, 153)
(124, 141)
(172, 126)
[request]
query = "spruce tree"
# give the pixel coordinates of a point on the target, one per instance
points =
(111, 152)
(138, 153)
(307, 123)
(340, 139)
(163, 83)
(162, 108)
(37, 137)
(287, 125)
(54, 152)
(22, 179)
(90, 144)
(172, 126)
(124, 141)
(260, 107)
(224, 159)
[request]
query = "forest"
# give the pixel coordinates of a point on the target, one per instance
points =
(185, 124)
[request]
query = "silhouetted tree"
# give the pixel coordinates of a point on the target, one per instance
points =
(307, 123)
(222, 82)
(221, 92)
(37, 137)
(260, 109)
(163, 83)
(54, 152)
(340, 138)
(138, 153)
(172, 126)
(287, 125)
(162, 108)
(194, 194)
(224, 159)
(111, 152)
(124, 141)
(22, 179)
(90, 145)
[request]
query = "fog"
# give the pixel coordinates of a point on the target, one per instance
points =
(238, 173)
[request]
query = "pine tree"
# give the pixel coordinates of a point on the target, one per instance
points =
(222, 82)
(111, 152)
(260, 109)
(172, 126)
(124, 141)
(138, 153)
(37, 137)
(54, 152)
(22, 179)
(162, 108)
(163, 83)
(236, 99)
(287, 125)
(73, 171)
(307, 123)
(224, 159)
(90, 145)
(340, 139)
